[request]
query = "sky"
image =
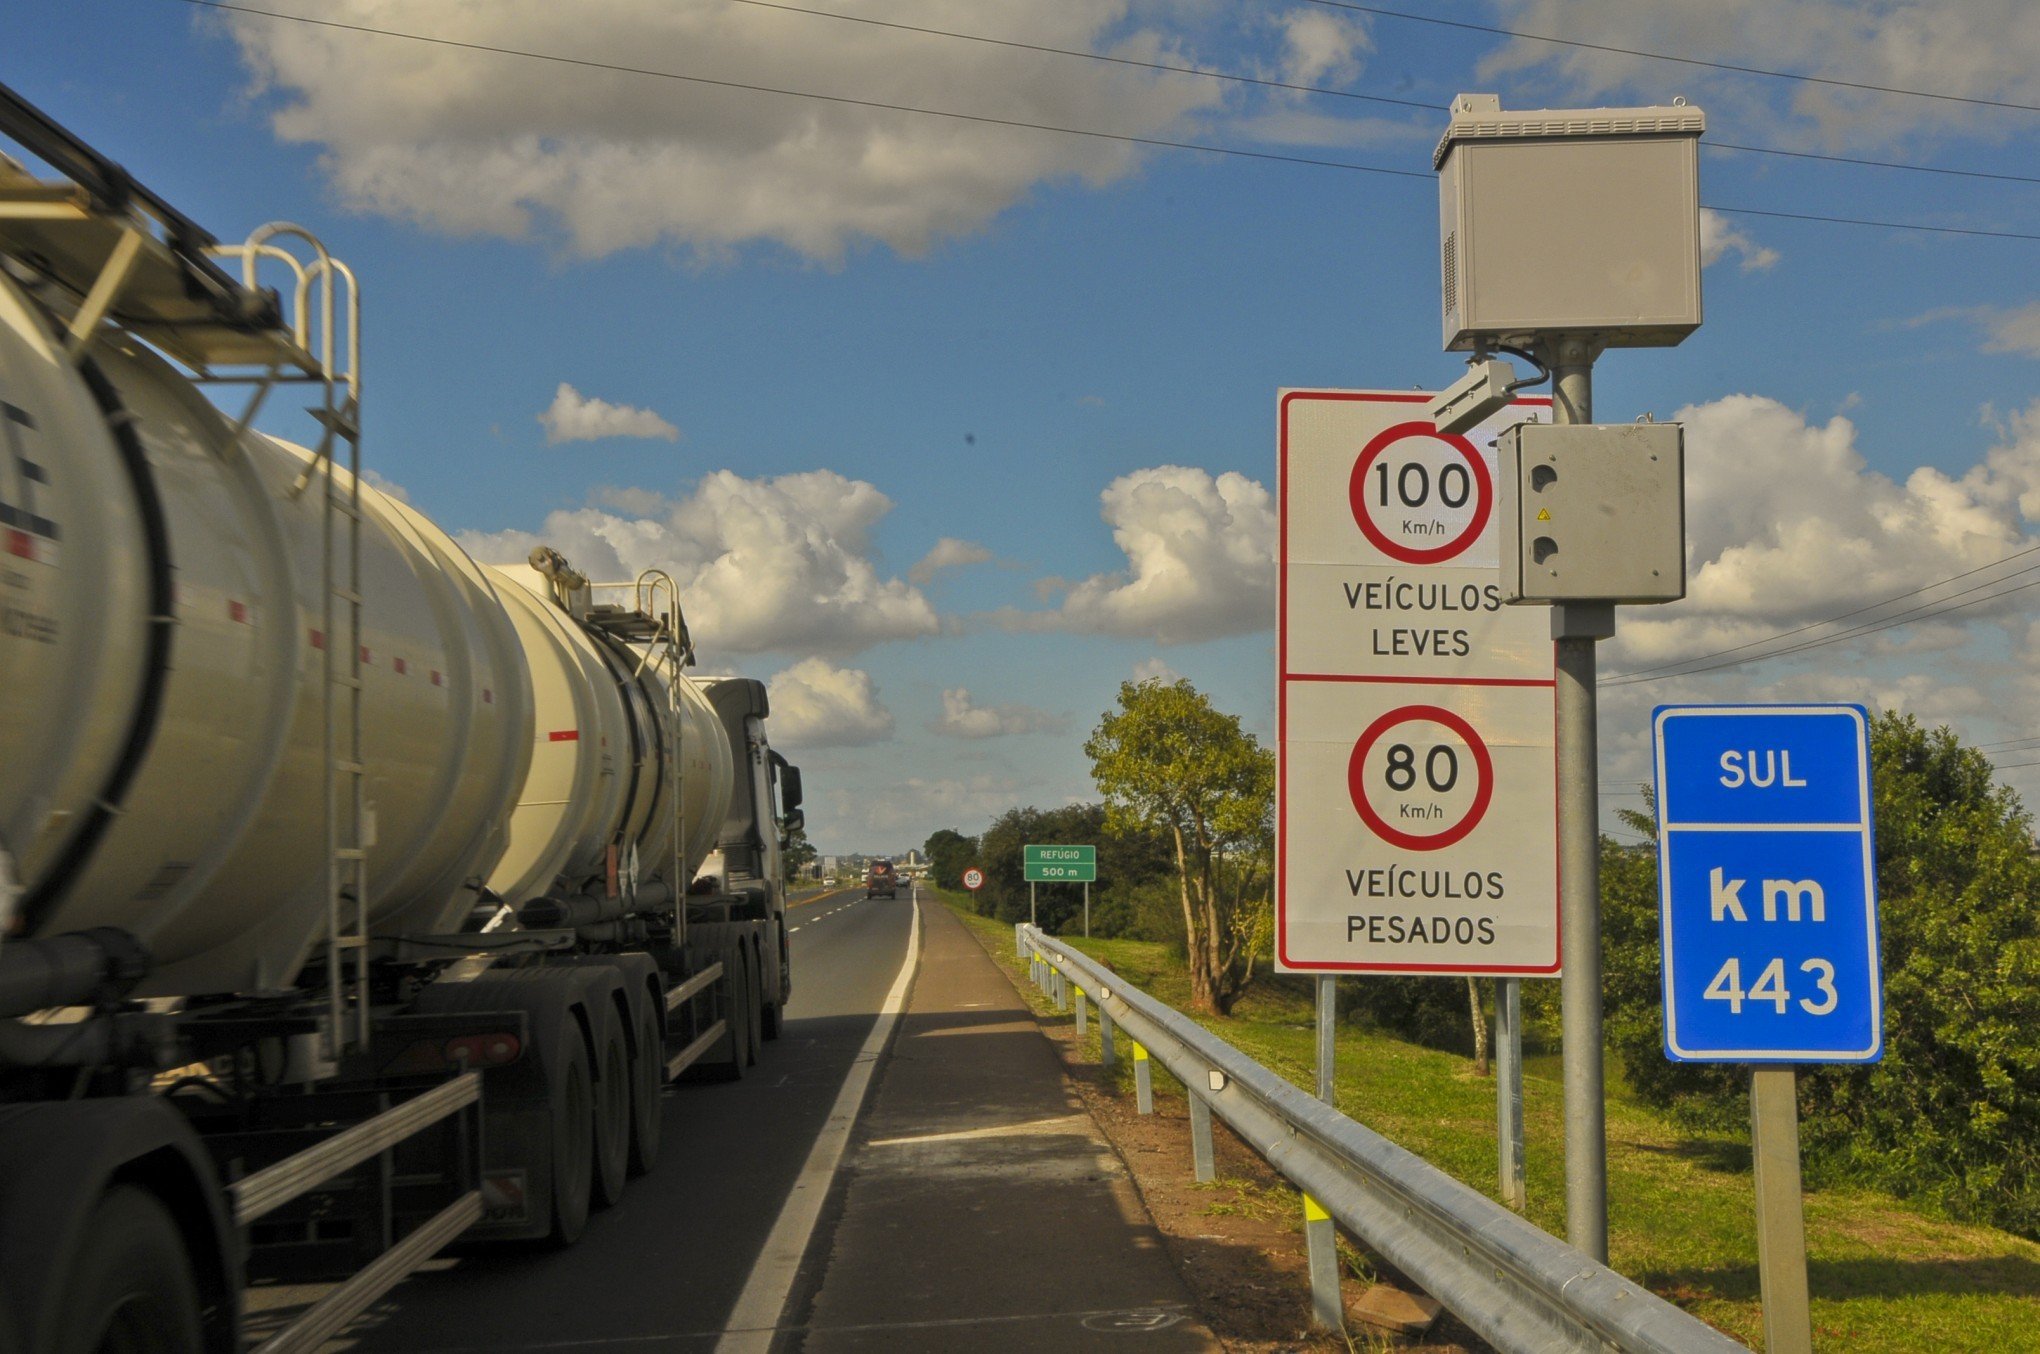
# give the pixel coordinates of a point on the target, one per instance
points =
(948, 426)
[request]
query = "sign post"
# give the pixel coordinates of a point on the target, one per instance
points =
(1061, 865)
(1415, 825)
(1767, 888)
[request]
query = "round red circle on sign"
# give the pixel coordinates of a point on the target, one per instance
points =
(1483, 494)
(1483, 765)
(973, 879)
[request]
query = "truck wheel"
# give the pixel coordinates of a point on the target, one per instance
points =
(131, 1289)
(573, 1137)
(754, 1007)
(612, 1112)
(647, 1085)
(727, 1063)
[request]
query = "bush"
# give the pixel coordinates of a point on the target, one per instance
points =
(1952, 1114)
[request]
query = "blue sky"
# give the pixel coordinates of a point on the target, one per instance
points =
(871, 331)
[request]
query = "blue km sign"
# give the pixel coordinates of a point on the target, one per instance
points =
(1767, 884)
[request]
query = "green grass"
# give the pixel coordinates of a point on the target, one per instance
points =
(1885, 1275)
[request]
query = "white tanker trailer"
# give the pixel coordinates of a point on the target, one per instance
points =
(353, 897)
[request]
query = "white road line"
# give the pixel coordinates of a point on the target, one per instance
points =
(755, 1318)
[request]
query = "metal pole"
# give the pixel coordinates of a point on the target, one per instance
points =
(1327, 1028)
(1327, 1306)
(1108, 1058)
(1143, 1081)
(1781, 1221)
(1033, 917)
(1087, 909)
(1080, 1013)
(1509, 1089)
(1200, 1137)
(1576, 628)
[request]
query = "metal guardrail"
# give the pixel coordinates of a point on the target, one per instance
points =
(1516, 1286)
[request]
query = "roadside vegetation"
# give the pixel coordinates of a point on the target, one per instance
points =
(1949, 1121)
(1887, 1274)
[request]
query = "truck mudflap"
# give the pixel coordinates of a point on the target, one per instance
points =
(78, 1151)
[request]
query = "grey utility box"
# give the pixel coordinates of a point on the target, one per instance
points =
(1593, 512)
(1570, 221)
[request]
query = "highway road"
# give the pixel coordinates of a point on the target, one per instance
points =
(729, 1156)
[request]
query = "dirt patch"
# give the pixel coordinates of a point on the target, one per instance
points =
(1238, 1242)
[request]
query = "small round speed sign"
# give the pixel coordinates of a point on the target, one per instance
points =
(973, 879)
(1420, 496)
(1421, 777)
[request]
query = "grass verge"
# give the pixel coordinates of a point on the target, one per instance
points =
(1885, 1275)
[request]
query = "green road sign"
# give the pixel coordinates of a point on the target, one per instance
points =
(1059, 864)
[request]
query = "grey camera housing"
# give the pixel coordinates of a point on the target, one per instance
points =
(1592, 512)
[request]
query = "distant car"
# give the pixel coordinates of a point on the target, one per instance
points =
(883, 881)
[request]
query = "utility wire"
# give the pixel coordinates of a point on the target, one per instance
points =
(808, 94)
(1230, 76)
(1858, 632)
(1843, 159)
(1235, 77)
(1829, 620)
(1681, 60)
(1204, 147)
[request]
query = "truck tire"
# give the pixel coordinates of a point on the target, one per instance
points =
(571, 1094)
(131, 1289)
(754, 1007)
(647, 1089)
(612, 1108)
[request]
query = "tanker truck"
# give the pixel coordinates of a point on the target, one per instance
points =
(354, 898)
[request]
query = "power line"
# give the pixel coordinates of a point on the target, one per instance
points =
(808, 94)
(1206, 148)
(1235, 77)
(1680, 60)
(1884, 225)
(1844, 159)
(1830, 620)
(1858, 632)
(1230, 76)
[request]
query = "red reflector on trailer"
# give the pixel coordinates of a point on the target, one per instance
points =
(565, 735)
(237, 612)
(483, 1050)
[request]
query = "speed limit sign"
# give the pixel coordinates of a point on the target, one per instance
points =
(973, 879)
(1416, 828)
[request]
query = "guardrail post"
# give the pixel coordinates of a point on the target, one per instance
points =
(1079, 1003)
(1062, 990)
(1143, 1081)
(1200, 1138)
(1107, 1058)
(1327, 1304)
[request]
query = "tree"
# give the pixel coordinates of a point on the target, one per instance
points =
(798, 853)
(949, 854)
(1167, 759)
(1953, 1111)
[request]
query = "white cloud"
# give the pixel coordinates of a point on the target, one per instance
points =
(961, 718)
(852, 818)
(1786, 525)
(375, 480)
(1719, 236)
(477, 143)
(1155, 670)
(2006, 329)
(818, 705)
(767, 564)
(948, 553)
(1320, 47)
(1977, 49)
(575, 417)
(1200, 557)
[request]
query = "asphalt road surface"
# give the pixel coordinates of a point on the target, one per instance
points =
(662, 1269)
